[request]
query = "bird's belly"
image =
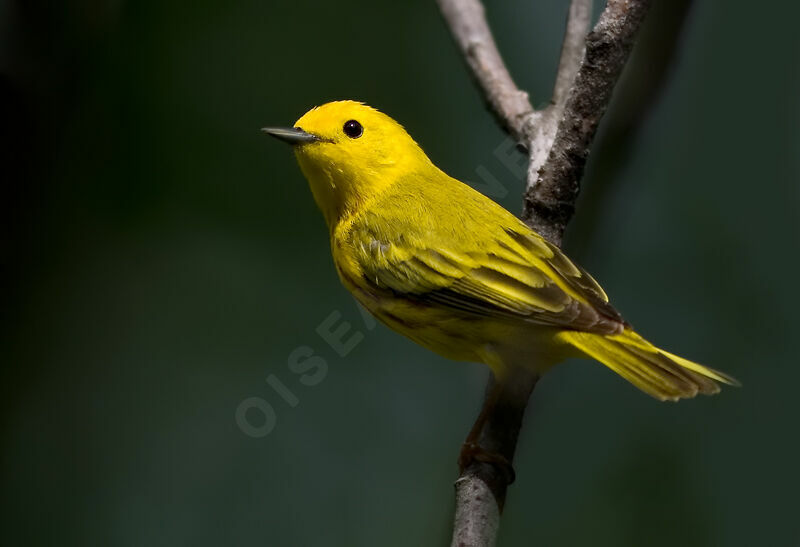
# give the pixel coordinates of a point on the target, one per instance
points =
(454, 338)
(464, 337)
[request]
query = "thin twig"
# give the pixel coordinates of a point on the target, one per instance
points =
(540, 142)
(510, 105)
(579, 21)
(558, 141)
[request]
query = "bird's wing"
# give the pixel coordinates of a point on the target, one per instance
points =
(513, 274)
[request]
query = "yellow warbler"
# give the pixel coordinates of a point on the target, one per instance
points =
(446, 266)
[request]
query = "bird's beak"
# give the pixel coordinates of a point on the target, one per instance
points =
(292, 135)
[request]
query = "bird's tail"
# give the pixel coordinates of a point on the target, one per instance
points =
(663, 375)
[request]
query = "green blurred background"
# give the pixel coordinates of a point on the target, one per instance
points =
(163, 258)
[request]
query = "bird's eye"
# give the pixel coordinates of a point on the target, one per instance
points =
(353, 129)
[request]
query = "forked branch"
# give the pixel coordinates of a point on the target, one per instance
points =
(558, 140)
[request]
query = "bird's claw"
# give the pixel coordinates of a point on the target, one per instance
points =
(473, 452)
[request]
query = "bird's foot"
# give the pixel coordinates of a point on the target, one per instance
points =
(473, 452)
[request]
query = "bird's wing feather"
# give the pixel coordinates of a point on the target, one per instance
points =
(514, 274)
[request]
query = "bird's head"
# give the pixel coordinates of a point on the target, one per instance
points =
(350, 152)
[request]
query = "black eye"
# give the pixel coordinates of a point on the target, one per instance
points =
(353, 129)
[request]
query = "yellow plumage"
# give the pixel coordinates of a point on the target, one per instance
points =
(452, 270)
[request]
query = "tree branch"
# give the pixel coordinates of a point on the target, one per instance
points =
(481, 487)
(550, 199)
(558, 140)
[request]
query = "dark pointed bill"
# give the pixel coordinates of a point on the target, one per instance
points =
(292, 135)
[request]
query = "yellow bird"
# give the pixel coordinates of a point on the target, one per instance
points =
(449, 268)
